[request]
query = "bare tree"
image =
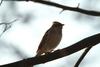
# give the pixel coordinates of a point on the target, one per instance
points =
(88, 42)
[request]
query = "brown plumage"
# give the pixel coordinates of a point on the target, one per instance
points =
(51, 39)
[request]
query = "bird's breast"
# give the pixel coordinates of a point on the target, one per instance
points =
(54, 39)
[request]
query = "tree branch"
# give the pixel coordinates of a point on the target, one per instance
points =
(76, 9)
(87, 42)
(82, 56)
(7, 26)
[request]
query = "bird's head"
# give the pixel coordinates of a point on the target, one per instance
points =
(57, 24)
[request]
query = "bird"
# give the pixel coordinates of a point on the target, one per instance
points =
(51, 39)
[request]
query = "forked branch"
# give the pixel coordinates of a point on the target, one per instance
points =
(87, 42)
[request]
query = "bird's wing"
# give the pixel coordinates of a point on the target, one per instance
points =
(44, 39)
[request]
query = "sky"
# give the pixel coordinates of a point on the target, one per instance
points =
(26, 36)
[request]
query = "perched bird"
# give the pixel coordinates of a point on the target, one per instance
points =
(51, 39)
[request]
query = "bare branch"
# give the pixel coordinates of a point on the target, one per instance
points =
(87, 42)
(87, 12)
(82, 56)
(7, 26)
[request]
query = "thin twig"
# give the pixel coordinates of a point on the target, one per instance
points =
(7, 26)
(82, 56)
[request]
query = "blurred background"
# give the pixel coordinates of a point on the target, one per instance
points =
(32, 20)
